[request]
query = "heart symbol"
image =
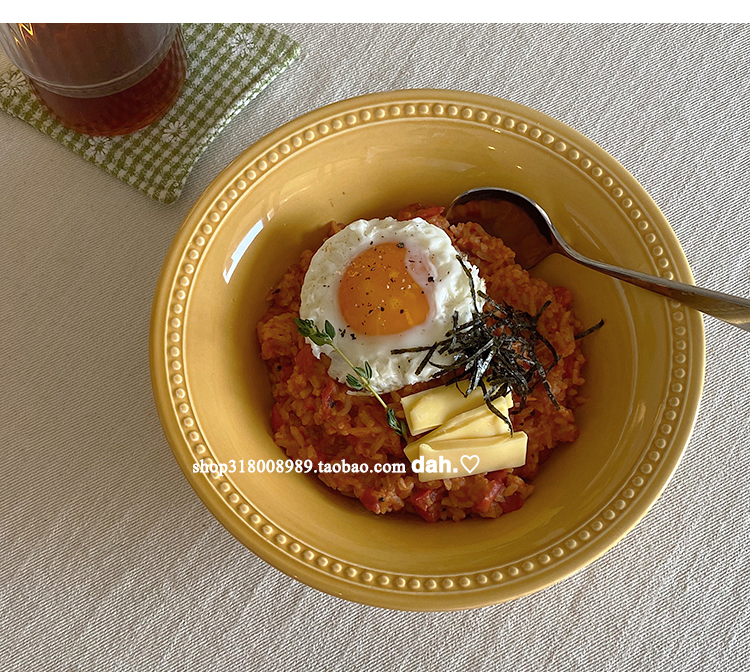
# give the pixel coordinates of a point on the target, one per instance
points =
(466, 460)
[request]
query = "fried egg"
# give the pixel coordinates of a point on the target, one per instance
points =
(384, 285)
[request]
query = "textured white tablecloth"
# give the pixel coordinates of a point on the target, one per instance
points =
(108, 562)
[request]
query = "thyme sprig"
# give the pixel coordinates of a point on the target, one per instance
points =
(361, 381)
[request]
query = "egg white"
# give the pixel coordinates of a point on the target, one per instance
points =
(445, 284)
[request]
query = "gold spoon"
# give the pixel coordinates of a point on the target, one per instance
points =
(527, 230)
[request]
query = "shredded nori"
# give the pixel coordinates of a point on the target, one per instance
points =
(496, 350)
(590, 330)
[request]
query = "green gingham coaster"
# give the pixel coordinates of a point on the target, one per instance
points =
(228, 65)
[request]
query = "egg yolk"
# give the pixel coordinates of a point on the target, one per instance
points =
(378, 296)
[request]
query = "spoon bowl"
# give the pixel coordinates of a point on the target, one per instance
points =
(527, 230)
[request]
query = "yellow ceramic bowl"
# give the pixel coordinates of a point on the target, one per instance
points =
(366, 157)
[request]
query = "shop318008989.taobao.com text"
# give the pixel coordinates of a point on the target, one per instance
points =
(420, 465)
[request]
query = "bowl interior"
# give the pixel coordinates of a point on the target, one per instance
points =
(372, 171)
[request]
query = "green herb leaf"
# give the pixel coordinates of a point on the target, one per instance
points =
(399, 426)
(361, 373)
(330, 330)
(320, 339)
(305, 327)
(353, 382)
(308, 329)
(392, 421)
(368, 371)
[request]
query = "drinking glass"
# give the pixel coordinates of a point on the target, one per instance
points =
(100, 78)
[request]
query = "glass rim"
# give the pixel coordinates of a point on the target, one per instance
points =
(99, 89)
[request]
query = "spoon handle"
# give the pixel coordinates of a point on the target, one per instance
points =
(731, 309)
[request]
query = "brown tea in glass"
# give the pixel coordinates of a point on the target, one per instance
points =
(100, 79)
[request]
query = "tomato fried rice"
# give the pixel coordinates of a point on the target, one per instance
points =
(318, 418)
